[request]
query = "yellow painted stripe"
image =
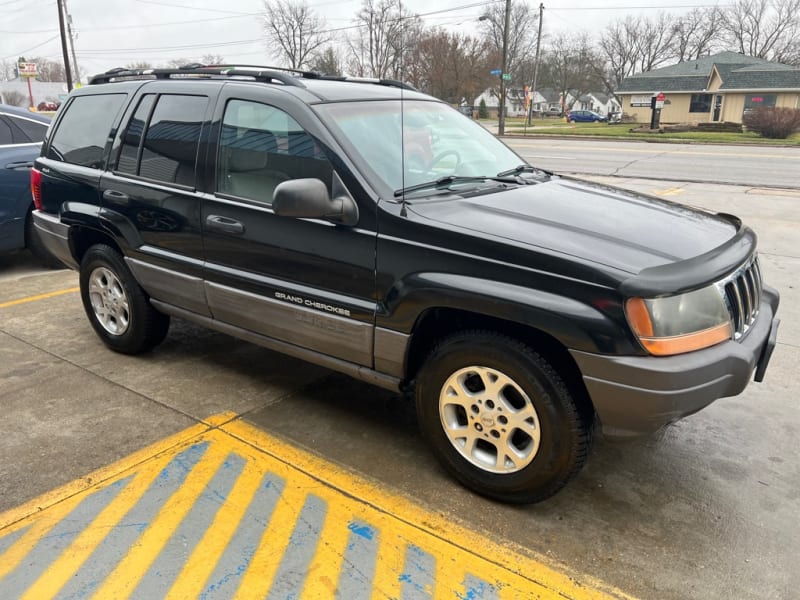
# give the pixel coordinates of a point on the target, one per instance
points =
(90, 538)
(389, 564)
(123, 580)
(323, 574)
(273, 544)
(411, 519)
(195, 572)
(39, 297)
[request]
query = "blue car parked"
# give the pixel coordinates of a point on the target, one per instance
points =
(21, 135)
(585, 116)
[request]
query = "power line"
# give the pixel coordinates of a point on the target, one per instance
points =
(23, 52)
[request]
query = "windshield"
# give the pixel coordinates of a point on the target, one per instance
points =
(427, 141)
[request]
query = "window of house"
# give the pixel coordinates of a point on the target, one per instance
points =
(700, 103)
(753, 101)
(83, 131)
(261, 146)
(170, 145)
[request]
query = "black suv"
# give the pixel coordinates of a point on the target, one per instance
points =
(374, 230)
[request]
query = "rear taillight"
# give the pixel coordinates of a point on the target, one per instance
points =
(36, 188)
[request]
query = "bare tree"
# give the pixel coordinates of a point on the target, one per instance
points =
(766, 29)
(212, 59)
(15, 98)
(327, 62)
(521, 36)
(450, 66)
(294, 31)
(139, 65)
(570, 67)
(47, 70)
(634, 45)
(696, 33)
(8, 70)
(385, 33)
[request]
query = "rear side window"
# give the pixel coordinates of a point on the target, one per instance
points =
(83, 131)
(131, 141)
(169, 150)
(5, 132)
(32, 129)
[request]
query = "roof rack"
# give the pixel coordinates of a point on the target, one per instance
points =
(386, 82)
(264, 74)
(200, 71)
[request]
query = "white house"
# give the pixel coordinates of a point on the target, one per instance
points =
(599, 103)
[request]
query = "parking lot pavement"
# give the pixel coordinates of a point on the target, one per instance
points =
(707, 509)
(222, 510)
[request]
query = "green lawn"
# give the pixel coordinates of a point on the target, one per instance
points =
(622, 131)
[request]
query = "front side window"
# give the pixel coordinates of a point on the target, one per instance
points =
(170, 146)
(700, 103)
(84, 129)
(261, 146)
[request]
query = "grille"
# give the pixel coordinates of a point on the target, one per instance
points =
(743, 295)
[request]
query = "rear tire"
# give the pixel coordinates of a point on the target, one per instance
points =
(118, 308)
(500, 418)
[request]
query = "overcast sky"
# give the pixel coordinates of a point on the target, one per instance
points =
(113, 33)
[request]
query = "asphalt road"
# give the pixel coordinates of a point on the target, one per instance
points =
(708, 509)
(740, 165)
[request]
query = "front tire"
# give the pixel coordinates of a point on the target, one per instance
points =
(118, 308)
(500, 418)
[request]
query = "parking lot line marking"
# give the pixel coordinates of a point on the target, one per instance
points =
(39, 297)
(230, 511)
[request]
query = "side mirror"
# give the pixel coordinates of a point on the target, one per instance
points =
(309, 199)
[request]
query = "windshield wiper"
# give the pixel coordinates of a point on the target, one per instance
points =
(517, 170)
(442, 182)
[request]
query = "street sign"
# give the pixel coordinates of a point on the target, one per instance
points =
(27, 69)
(495, 72)
(507, 76)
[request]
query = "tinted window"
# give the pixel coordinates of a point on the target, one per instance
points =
(700, 103)
(169, 152)
(33, 129)
(129, 156)
(5, 133)
(83, 131)
(261, 146)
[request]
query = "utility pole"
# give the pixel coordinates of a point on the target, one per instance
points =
(536, 61)
(501, 123)
(64, 53)
(72, 43)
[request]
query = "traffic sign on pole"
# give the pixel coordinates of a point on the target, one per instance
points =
(507, 76)
(495, 72)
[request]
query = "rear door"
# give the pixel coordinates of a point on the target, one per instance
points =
(150, 194)
(307, 282)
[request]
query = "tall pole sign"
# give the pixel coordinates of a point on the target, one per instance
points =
(27, 71)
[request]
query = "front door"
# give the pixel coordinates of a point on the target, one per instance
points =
(307, 282)
(717, 107)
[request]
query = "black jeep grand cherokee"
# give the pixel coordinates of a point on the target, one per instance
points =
(374, 230)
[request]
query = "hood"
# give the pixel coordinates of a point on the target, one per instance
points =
(620, 229)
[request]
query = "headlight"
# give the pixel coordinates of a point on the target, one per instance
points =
(681, 323)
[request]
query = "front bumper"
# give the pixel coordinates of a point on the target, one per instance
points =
(55, 236)
(636, 395)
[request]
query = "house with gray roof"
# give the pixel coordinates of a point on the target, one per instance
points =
(715, 88)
